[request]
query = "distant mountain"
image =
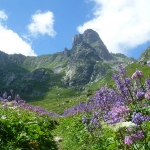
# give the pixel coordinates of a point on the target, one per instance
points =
(90, 59)
(86, 62)
(145, 56)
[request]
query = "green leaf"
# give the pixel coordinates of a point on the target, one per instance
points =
(111, 146)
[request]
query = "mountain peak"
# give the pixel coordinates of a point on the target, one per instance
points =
(92, 39)
(89, 36)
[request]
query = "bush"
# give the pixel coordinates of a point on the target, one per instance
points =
(23, 129)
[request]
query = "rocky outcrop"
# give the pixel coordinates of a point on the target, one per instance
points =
(92, 38)
(80, 65)
(64, 55)
(77, 39)
(89, 36)
(87, 49)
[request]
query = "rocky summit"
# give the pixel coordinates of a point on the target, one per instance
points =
(92, 39)
(90, 59)
(86, 62)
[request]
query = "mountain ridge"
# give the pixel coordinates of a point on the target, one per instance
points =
(87, 61)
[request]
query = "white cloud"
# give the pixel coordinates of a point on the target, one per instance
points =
(3, 16)
(11, 42)
(121, 24)
(42, 23)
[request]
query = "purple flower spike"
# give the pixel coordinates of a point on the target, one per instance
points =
(140, 134)
(137, 118)
(147, 82)
(128, 140)
(122, 70)
(137, 74)
(5, 95)
(147, 95)
(140, 95)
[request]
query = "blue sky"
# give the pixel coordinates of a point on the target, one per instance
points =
(36, 27)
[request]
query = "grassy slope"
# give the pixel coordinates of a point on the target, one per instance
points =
(64, 129)
(59, 99)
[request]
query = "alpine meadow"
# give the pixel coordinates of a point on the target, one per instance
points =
(83, 98)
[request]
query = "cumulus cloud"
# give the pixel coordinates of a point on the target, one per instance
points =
(42, 23)
(121, 24)
(11, 42)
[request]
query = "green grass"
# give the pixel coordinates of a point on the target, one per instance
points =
(107, 80)
(60, 104)
(136, 66)
(59, 99)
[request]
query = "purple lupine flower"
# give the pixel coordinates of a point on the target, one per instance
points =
(137, 118)
(147, 95)
(122, 71)
(17, 97)
(105, 98)
(118, 104)
(4, 95)
(95, 119)
(147, 82)
(137, 74)
(147, 118)
(116, 114)
(13, 103)
(9, 97)
(5, 100)
(122, 82)
(115, 77)
(134, 137)
(140, 95)
(140, 134)
(119, 112)
(128, 140)
(36, 109)
(84, 119)
(94, 122)
(134, 76)
(127, 81)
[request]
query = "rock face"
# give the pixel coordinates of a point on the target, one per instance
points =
(77, 39)
(87, 49)
(92, 38)
(89, 36)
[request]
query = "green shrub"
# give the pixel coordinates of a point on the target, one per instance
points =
(23, 129)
